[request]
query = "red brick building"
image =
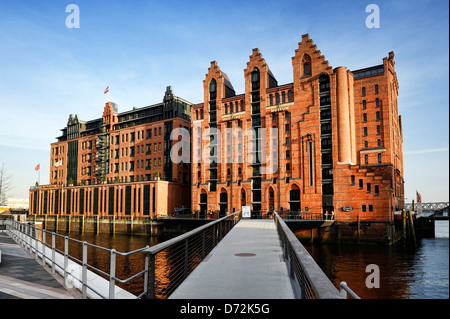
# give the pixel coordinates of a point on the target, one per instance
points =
(339, 143)
(118, 164)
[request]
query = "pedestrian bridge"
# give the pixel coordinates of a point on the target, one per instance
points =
(229, 257)
(258, 258)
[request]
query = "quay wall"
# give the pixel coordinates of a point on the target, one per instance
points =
(119, 225)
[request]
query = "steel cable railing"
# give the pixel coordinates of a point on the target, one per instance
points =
(170, 262)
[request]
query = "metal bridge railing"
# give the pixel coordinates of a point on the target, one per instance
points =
(309, 281)
(170, 262)
(77, 272)
(344, 289)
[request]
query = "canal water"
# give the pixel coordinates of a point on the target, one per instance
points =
(404, 273)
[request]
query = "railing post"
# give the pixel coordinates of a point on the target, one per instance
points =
(36, 234)
(146, 259)
(43, 247)
(342, 289)
(151, 290)
(53, 253)
(112, 274)
(66, 259)
(84, 272)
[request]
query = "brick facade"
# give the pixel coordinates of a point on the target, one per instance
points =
(336, 129)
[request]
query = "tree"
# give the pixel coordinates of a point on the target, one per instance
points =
(5, 184)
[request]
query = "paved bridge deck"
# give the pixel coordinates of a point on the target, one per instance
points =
(247, 264)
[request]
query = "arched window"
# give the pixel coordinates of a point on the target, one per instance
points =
(283, 97)
(242, 106)
(213, 89)
(271, 99)
(226, 108)
(271, 199)
(290, 96)
(306, 65)
(294, 199)
(243, 197)
(255, 79)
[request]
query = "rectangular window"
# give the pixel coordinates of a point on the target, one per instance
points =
(352, 180)
(363, 91)
(376, 88)
(365, 131)
(360, 184)
(364, 208)
(364, 104)
(365, 117)
(377, 190)
(369, 188)
(370, 208)
(311, 170)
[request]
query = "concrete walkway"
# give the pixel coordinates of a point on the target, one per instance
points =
(247, 264)
(22, 277)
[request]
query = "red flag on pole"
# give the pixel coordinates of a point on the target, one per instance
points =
(37, 167)
(106, 90)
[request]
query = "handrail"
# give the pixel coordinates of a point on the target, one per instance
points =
(34, 240)
(309, 281)
(344, 289)
(186, 251)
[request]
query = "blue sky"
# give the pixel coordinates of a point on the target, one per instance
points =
(138, 48)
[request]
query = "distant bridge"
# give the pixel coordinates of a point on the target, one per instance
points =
(429, 207)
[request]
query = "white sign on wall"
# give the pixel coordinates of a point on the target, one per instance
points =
(246, 212)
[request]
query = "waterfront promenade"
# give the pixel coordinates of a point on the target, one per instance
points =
(22, 277)
(248, 263)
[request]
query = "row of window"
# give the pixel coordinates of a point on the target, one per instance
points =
(58, 150)
(283, 98)
(363, 90)
(366, 159)
(139, 165)
(368, 185)
(377, 103)
(366, 130)
(377, 117)
(157, 131)
(230, 109)
(366, 143)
